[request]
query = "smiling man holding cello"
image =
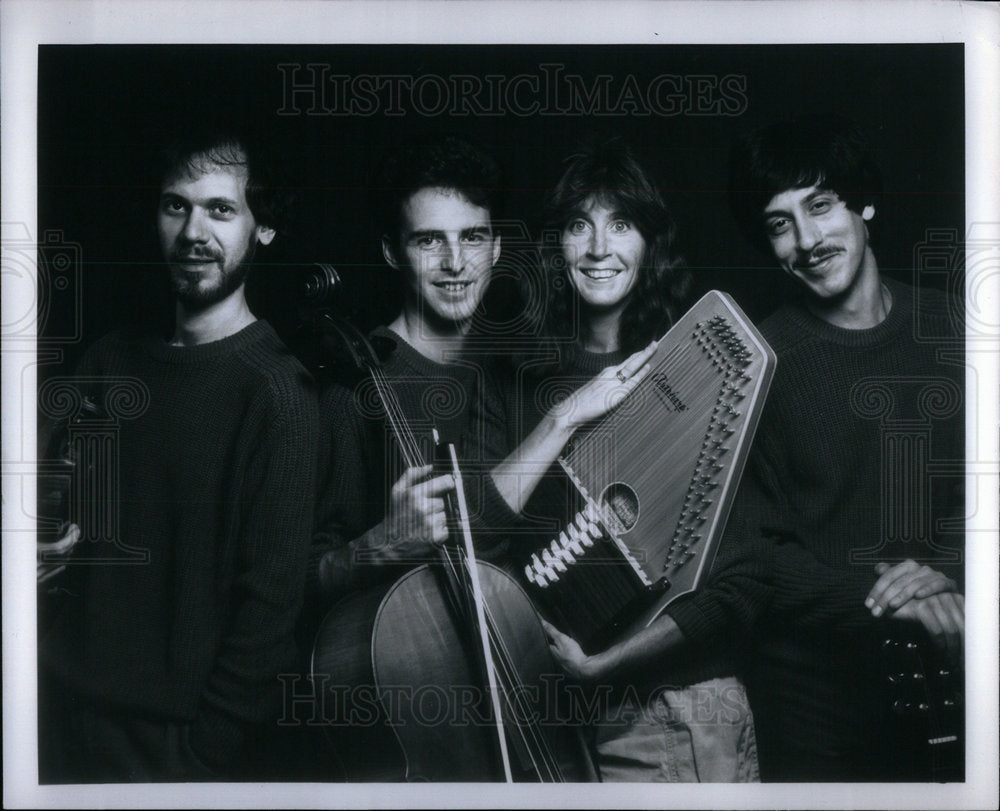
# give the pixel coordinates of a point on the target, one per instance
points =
(376, 514)
(414, 672)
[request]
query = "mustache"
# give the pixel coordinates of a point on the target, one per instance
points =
(819, 254)
(195, 255)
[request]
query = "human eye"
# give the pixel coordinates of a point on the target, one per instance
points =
(576, 226)
(620, 226)
(823, 204)
(426, 242)
(474, 238)
(777, 226)
(172, 205)
(223, 211)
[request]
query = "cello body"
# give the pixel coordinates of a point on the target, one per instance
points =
(403, 699)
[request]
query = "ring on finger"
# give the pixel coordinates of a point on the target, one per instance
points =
(621, 376)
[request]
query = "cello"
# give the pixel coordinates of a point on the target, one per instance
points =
(444, 674)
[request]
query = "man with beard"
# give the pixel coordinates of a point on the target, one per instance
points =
(853, 523)
(166, 660)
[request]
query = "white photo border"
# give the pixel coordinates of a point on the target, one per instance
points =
(25, 25)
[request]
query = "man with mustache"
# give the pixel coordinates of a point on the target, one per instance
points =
(163, 665)
(847, 552)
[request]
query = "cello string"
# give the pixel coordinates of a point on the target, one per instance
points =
(514, 697)
(397, 419)
(537, 747)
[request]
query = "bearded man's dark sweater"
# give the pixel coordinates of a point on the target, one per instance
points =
(216, 461)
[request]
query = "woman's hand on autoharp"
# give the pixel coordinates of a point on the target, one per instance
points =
(607, 389)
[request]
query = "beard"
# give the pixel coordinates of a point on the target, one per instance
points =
(187, 285)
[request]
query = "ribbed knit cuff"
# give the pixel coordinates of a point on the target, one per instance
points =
(694, 623)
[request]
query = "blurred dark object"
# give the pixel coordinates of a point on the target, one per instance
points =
(59, 466)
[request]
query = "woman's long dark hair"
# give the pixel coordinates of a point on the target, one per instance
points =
(609, 173)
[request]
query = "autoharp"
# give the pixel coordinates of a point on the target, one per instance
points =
(657, 475)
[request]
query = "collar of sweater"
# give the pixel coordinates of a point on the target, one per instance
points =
(900, 318)
(405, 355)
(579, 360)
(248, 336)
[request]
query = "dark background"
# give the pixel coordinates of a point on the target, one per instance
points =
(101, 109)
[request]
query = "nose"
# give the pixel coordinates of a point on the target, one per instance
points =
(597, 245)
(808, 234)
(195, 229)
(452, 257)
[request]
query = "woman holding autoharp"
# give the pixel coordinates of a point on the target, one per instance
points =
(668, 704)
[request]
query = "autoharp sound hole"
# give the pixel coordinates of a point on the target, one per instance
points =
(624, 503)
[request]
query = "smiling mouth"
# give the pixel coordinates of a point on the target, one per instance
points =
(452, 287)
(812, 264)
(599, 274)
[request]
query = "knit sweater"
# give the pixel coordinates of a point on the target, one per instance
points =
(361, 459)
(190, 615)
(832, 488)
(713, 618)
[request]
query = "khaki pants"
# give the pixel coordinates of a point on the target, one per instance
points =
(701, 733)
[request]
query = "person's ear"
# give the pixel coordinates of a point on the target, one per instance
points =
(868, 213)
(265, 234)
(388, 252)
(496, 249)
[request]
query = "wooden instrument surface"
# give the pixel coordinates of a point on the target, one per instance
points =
(401, 699)
(659, 472)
